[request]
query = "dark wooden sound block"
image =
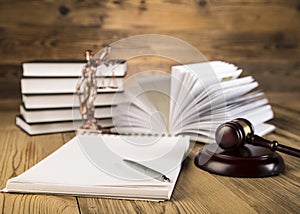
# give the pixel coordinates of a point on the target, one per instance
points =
(248, 161)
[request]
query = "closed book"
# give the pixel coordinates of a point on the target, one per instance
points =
(66, 85)
(61, 114)
(56, 127)
(69, 69)
(46, 101)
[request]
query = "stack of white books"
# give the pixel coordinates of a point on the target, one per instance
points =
(49, 101)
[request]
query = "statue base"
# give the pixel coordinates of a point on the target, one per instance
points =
(88, 131)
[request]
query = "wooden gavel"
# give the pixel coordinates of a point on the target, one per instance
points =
(234, 134)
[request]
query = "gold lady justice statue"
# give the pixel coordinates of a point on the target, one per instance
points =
(87, 90)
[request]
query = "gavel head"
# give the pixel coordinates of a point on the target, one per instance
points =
(234, 134)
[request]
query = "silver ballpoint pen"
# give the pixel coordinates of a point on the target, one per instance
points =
(147, 171)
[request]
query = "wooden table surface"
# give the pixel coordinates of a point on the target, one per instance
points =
(196, 191)
(262, 37)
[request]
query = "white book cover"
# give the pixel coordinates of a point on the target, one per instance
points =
(93, 165)
(66, 85)
(64, 114)
(69, 69)
(57, 126)
(47, 101)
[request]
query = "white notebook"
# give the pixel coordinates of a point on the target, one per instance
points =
(92, 165)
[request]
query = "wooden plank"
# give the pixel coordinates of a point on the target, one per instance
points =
(250, 34)
(158, 14)
(20, 152)
(10, 104)
(273, 194)
(273, 76)
(10, 96)
(196, 191)
(288, 100)
(19, 203)
(216, 26)
(286, 110)
(286, 119)
(67, 136)
(70, 43)
(94, 205)
(268, 194)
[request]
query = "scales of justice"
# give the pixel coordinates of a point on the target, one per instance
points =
(86, 88)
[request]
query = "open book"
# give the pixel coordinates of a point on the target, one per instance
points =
(92, 165)
(194, 100)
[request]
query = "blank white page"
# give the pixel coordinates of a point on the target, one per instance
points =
(89, 160)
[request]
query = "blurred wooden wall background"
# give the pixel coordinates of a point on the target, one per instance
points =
(260, 36)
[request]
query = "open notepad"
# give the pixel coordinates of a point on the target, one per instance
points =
(92, 165)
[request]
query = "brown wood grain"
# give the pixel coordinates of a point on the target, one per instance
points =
(196, 191)
(18, 153)
(262, 194)
(263, 37)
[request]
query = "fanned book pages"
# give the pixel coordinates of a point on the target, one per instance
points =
(194, 100)
(93, 165)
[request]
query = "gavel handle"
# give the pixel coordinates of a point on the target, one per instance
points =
(274, 146)
(287, 149)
